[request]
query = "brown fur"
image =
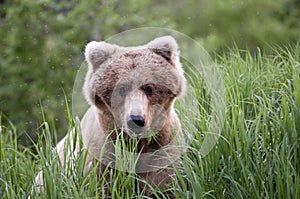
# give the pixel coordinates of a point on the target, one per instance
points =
(144, 80)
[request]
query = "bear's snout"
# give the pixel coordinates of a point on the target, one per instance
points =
(135, 112)
(135, 121)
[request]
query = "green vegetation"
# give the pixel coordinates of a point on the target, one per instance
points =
(257, 155)
(42, 42)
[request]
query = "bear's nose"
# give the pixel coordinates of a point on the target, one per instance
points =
(135, 121)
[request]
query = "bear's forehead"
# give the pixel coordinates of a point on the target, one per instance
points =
(126, 61)
(140, 63)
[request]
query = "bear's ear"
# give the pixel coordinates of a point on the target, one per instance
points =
(166, 47)
(98, 52)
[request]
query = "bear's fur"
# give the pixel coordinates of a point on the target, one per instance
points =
(133, 82)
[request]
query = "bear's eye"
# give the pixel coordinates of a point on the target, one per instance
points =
(148, 90)
(122, 91)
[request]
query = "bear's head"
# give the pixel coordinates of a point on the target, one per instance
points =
(134, 88)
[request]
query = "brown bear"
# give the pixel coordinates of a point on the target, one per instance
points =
(132, 90)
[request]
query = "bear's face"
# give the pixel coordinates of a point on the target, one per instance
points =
(136, 85)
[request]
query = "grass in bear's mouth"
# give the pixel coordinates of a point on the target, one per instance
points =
(257, 155)
(134, 142)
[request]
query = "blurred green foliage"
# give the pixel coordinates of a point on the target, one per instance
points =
(42, 41)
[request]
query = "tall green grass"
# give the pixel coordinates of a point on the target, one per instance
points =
(257, 155)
